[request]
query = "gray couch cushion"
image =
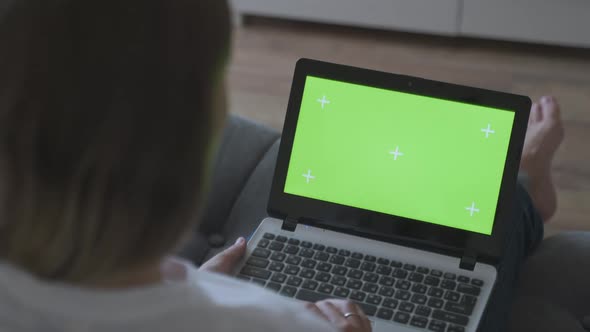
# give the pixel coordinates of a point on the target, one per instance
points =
(250, 207)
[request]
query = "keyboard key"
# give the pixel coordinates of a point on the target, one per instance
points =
(344, 253)
(341, 292)
(403, 284)
(338, 281)
(323, 277)
(385, 313)
(357, 255)
(321, 256)
(309, 296)
(448, 284)
(463, 279)
(383, 261)
(278, 277)
(435, 303)
(407, 307)
(418, 321)
(431, 281)
(294, 281)
(288, 291)
(337, 259)
(310, 284)
(260, 252)
(384, 269)
(339, 270)
(386, 281)
(370, 288)
(281, 238)
(436, 273)
(252, 271)
(455, 328)
(410, 267)
(370, 258)
(402, 295)
(294, 242)
(319, 247)
(423, 270)
(452, 296)
(469, 300)
(352, 263)
(401, 317)
(358, 296)
(396, 264)
(291, 249)
(450, 276)
(306, 253)
(276, 266)
(468, 289)
(368, 266)
(268, 236)
(437, 326)
(450, 317)
(354, 284)
(259, 282)
(477, 282)
(293, 260)
(263, 243)
(371, 277)
(307, 273)
(459, 308)
(435, 292)
(331, 250)
(258, 262)
(273, 286)
(419, 299)
(326, 288)
(368, 309)
(386, 291)
(278, 256)
(276, 246)
(390, 303)
(355, 274)
(423, 311)
(374, 299)
(291, 269)
(306, 244)
(419, 288)
(416, 277)
(308, 263)
(399, 274)
(324, 267)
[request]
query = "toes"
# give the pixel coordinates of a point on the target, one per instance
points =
(536, 115)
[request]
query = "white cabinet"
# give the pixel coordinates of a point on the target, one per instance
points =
(431, 16)
(563, 22)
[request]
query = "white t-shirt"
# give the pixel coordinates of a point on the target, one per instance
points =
(200, 302)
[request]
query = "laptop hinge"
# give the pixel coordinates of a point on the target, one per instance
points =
(468, 260)
(289, 224)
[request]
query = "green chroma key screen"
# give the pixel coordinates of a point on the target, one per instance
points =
(428, 159)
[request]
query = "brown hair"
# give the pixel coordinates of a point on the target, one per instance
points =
(106, 126)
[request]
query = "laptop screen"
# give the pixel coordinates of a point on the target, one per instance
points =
(417, 157)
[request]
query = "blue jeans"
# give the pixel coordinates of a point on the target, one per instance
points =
(523, 236)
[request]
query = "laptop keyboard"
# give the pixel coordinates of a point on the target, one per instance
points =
(405, 293)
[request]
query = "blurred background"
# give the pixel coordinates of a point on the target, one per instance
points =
(529, 47)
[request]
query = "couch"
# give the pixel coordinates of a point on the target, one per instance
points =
(554, 292)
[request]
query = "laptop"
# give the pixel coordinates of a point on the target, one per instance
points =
(393, 192)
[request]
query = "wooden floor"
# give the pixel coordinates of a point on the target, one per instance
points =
(266, 51)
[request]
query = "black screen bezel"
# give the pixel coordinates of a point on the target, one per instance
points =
(393, 228)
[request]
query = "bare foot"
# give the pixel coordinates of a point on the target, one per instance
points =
(544, 135)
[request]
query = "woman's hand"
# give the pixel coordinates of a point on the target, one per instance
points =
(336, 312)
(226, 261)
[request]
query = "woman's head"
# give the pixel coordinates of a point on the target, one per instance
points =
(107, 122)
